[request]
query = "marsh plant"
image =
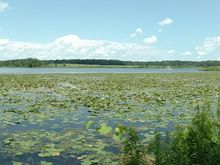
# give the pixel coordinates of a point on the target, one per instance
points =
(133, 151)
(195, 144)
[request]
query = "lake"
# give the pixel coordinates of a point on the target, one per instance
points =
(94, 70)
(50, 119)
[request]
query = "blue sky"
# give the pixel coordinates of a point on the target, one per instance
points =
(110, 29)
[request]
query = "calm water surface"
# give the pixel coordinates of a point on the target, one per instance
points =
(94, 70)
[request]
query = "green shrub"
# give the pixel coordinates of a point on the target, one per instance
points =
(133, 152)
(196, 144)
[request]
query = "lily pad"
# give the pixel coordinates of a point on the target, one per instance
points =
(105, 129)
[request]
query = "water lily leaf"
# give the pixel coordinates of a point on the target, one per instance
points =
(45, 163)
(16, 163)
(119, 133)
(116, 137)
(50, 150)
(105, 129)
(89, 124)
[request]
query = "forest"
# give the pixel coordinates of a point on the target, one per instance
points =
(31, 62)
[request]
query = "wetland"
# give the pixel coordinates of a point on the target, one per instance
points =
(52, 119)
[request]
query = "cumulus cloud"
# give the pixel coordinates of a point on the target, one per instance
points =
(187, 53)
(137, 32)
(4, 41)
(209, 45)
(150, 40)
(165, 21)
(3, 6)
(73, 47)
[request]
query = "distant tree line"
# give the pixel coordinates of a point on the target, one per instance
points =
(181, 63)
(87, 62)
(31, 62)
(137, 63)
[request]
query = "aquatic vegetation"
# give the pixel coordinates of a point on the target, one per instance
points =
(198, 143)
(79, 117)
(133, 151)
(105, 129)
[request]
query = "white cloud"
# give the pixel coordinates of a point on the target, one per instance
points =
(137, 31)
(209, 45)
(187, 53)
(150, 40)
(67, 40)
(165, 21)
(72, 47)
(4, 41)
(3, 6)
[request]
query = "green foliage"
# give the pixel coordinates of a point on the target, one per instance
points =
(105, 129)
(133, 150)
(199, 139)
(137, 63)
(199, 143)
(29, 62)
(89, 124)
(119, 133)
(211, 68)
